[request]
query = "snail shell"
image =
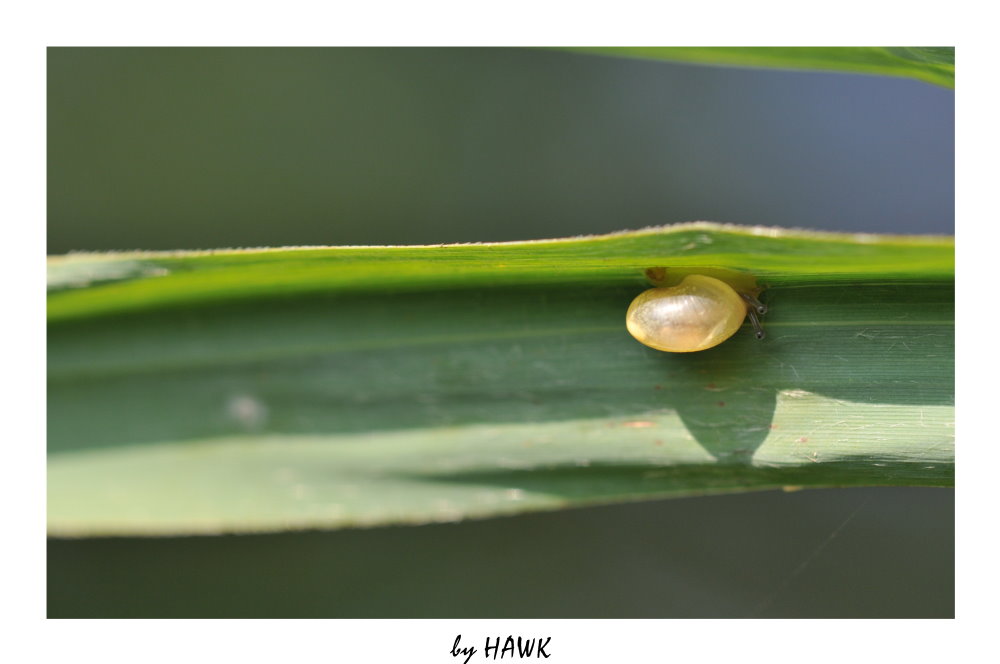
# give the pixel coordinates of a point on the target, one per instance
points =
(698, 313)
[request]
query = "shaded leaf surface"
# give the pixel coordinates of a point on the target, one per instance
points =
(315, 388)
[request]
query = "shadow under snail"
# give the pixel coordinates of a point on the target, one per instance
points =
(698, 313)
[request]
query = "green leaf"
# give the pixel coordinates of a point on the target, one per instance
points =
(259, 390)
(931, 64)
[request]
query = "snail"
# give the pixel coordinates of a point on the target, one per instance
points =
(698, 313)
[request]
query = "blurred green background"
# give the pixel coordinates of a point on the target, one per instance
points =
(204, 148)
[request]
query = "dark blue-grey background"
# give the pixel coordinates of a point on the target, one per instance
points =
(164, 149)
(202, 148)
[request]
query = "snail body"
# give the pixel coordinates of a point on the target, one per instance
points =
(698, 313)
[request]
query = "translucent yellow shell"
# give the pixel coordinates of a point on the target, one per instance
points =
(698, 313)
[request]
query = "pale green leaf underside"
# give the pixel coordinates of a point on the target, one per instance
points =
(931, 64)
(328, 387)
